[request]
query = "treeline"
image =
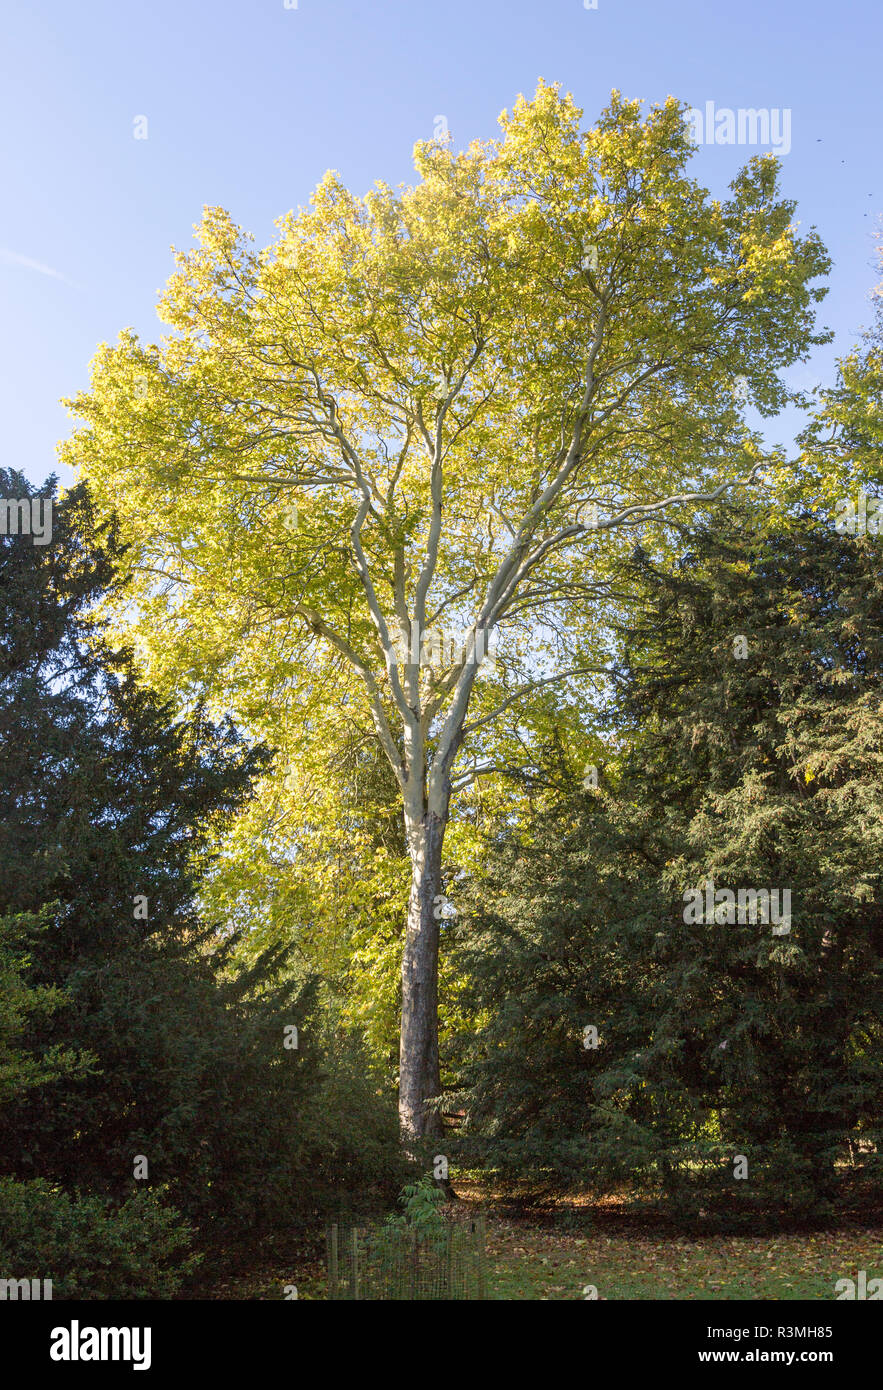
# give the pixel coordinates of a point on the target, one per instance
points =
(725, 1057)
(156, 1097)
(164, 1094)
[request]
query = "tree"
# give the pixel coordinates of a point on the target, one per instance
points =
(125, 1029)
(20, 1003)
(842, 454)
(618, 1034)
(437, 410)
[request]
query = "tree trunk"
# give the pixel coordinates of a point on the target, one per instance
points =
(419, 1077)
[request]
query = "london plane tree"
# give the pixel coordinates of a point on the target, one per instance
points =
(441, 410)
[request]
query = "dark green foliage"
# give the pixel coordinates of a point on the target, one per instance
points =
(89, 1249)
(21, 1005)
(716, 1039)
(169, 1052)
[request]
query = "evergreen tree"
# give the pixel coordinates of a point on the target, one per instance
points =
(751, 723)
(108, 808)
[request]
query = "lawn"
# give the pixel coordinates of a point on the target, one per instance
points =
(530, 1262)
(546, 1260)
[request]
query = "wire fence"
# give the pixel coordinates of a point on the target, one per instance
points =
(387, 1263)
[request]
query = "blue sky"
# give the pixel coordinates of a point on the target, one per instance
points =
(248, 103)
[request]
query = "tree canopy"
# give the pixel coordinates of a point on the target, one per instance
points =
(613, 1033)
(433, 411)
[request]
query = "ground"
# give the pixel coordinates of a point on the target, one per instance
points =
(576, 1252)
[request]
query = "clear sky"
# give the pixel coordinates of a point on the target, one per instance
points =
(249, 102)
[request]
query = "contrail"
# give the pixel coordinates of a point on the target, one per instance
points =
(13, 258)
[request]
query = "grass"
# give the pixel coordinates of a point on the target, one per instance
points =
(530, 1262)
(605, 1249)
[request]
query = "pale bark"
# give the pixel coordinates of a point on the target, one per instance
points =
(419, 1079)
(403, 712)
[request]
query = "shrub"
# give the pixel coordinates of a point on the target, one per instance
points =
(89, 1249)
